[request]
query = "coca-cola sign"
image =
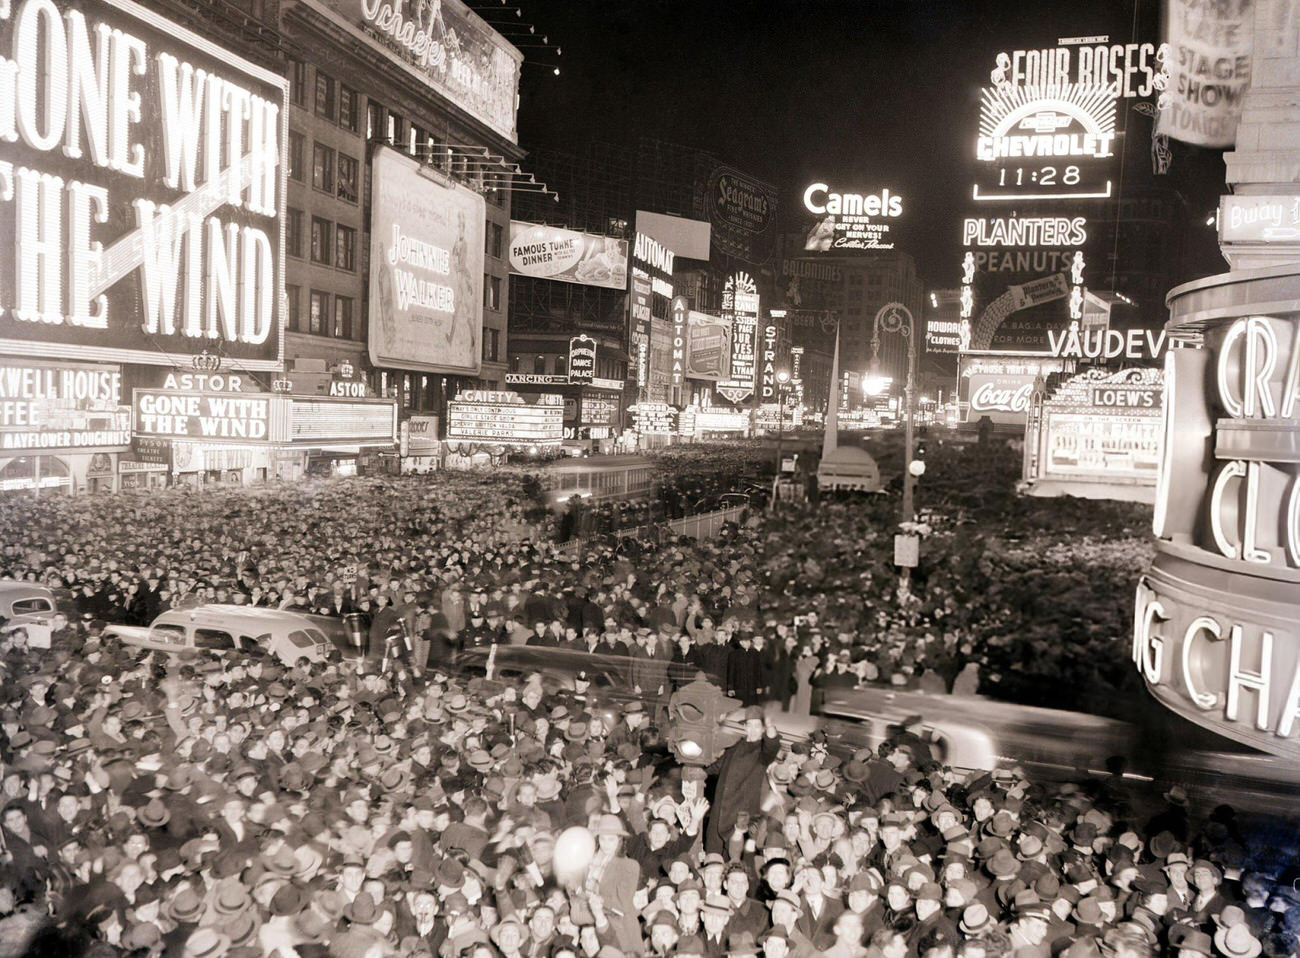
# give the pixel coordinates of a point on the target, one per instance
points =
(1003, 396)
(989, 397)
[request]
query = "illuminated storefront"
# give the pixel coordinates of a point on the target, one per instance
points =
(486, 425)
(1216, 631)
(1098, 437)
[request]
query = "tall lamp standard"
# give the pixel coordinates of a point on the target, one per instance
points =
(897, 318)
(782, 380)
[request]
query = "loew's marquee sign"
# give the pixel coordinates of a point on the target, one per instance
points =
(141, 189)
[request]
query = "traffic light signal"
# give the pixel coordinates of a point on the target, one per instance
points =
(696, 735)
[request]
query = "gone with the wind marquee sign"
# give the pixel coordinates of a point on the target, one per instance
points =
(141, 189)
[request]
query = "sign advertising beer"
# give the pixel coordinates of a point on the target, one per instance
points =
(448, 46)
(141, 190)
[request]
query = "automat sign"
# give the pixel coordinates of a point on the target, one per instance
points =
(141, 189)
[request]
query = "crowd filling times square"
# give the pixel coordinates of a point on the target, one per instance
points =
(465, 501)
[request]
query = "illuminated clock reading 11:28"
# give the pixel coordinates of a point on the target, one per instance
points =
(1062, 181)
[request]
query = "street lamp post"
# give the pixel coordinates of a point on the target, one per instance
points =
(782, 379)
(897, 318)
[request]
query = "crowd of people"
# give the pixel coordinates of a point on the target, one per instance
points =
(200, 807)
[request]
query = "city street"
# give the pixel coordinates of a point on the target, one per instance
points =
(519, 479)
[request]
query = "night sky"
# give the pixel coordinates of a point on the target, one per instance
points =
(859, 93)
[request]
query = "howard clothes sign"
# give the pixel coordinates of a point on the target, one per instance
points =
(141, 190)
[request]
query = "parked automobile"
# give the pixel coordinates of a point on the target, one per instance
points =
(25, 602)
(233, 630)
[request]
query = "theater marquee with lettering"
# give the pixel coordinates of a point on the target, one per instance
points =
(141, 190)
(1215, 626)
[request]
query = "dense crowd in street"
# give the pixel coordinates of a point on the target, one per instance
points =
(197, 807)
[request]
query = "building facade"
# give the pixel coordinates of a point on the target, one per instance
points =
(241, 289)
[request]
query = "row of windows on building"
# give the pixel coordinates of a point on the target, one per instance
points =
(340, 104)
(332, 171)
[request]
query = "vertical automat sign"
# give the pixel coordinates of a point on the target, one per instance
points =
(426, 269)
(142, 181)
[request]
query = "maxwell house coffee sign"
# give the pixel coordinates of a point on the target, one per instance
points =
(1216, 629)
(141, 189)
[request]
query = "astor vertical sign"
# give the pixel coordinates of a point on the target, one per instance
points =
(141, 189)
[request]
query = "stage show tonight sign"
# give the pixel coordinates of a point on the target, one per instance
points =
(141, 190)
(1216, 631)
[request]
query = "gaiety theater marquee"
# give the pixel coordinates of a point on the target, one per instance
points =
(1216, 632)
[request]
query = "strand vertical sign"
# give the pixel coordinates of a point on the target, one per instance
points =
(141, 190)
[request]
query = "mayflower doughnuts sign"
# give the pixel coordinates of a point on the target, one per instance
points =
(549, 252)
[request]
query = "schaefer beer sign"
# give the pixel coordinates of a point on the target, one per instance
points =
(141, 189)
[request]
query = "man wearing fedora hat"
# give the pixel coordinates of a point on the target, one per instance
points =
(1028, 932)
